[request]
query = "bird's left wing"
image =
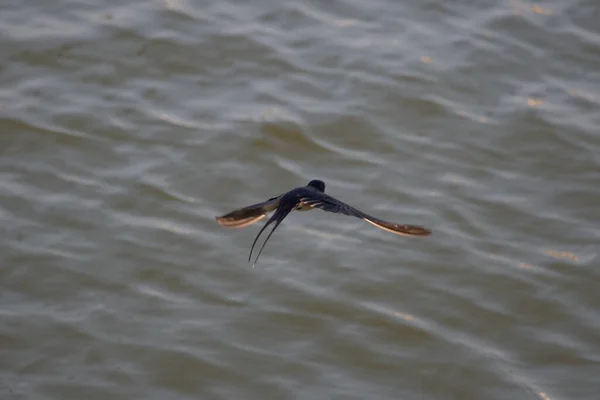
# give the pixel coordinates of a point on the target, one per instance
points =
(330, 204)
(248, 215)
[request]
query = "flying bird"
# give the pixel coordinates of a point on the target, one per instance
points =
(305, 198)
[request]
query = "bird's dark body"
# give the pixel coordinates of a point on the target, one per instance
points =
(306, 198)
(296, 195)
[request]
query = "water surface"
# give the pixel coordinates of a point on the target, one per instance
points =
(126, 127)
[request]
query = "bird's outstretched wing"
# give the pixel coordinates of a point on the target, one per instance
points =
(248, 215)
(330, 204)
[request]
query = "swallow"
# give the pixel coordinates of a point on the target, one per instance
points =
(305, 198)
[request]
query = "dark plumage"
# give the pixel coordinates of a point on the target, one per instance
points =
(306, 198)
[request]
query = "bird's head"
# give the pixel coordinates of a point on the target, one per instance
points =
(317, 184)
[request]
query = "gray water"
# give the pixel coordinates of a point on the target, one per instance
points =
(126, 127)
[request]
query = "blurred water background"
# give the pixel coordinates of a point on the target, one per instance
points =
(126, 126)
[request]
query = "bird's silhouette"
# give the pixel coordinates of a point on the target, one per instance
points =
(306, 198)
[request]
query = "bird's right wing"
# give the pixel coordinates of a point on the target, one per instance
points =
(330, 204)
(248, 215)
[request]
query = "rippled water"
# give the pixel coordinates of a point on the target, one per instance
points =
(126, 127)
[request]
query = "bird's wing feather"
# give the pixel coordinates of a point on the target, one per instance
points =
(248, 215)
(330, 204)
